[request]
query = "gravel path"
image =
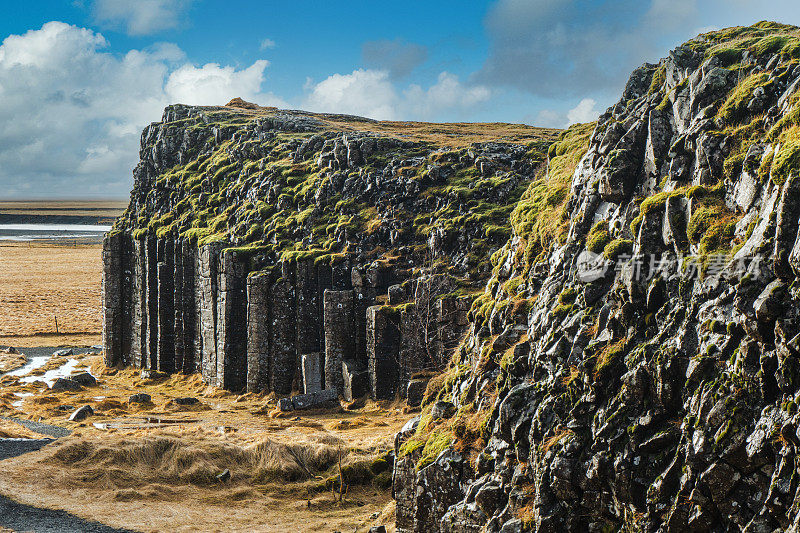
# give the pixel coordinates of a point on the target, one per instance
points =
(18, 517)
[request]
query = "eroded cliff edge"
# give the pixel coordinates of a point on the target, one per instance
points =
(656, 388)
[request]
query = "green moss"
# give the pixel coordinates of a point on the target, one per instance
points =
(712, 224)
(438, 441)
(618, 247)
(598, 237)
(735, 107)
(770, 44)
(561, 311)
(567, 296)
(727, 55)
(539, 217)
(658, 80)
(787, 155)
(765, 167)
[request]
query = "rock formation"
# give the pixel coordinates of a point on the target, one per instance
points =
(260, 246)
(634, 362)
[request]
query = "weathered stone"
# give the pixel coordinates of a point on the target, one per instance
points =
(231, 372)
(208, 261)
(81, 414)
(323, 398)
(113, 302)
(152, 375)
(186, 401)
(396, 294)
(415, 391)
(65, 384)
(355, 378)
(383, 349)
(443, 410)
(769, 303)
(283, 336)
(339, 340)
(139, 397)
(258, 332)
(309, 311)
(84, 378)
(165, 356)
(285, 404)
(313, 372)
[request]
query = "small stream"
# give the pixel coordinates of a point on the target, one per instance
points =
(36, 359)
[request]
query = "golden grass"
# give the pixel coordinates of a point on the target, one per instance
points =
(164, 476)
(11, 430)
(450, 135)
(39, 282)
(11, 361)
(106, 209)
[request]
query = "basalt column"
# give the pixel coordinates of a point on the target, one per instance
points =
(207, 298)
(231, 323)
(177, 306)
(113, 300)
(258, 332)
(364, 293)
(339, 337)
(151, 302)
(185, 307)
(383, 342)
(166, 306)
(138, 353)
(452, 321)
(410, 360)
(283, 333)
(309, 313)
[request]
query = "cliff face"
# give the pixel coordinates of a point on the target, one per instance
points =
(286, 251)
(634, 361)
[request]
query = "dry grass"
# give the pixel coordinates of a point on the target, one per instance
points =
(450, 135)
(164, 477)
(39, 282)
(109, 209)
(10, 361)
(11, 430)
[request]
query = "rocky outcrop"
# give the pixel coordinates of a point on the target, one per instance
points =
(261, 249)
(635, 368)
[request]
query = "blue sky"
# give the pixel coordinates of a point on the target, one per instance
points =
(79, 80)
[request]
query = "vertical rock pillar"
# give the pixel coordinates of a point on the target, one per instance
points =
(231, 323)
(113, 300)
(139, 303)
(207, 298)
(151, 301)
(339, 335)
(166, 306)
(258, 332)
(283, 354)
(309, 312)
(383, 348)
(178, 308)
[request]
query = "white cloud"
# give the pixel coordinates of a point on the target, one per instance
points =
(547, 118)
(267, 43)
(71, 114)
(370, 93)
(140, 17)
(213, 83)
(585, 111)
(363, 92)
